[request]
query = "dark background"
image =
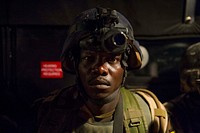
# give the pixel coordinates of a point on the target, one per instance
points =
(32, 31)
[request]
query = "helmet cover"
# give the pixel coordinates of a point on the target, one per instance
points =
(101, 29)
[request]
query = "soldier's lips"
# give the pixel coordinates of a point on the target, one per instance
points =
(99, 83)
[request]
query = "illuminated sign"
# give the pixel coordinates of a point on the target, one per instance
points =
(51, 69)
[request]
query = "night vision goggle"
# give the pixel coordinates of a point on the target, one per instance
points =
(107, 40)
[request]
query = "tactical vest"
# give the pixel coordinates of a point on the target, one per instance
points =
(141, 111)
(135, 119)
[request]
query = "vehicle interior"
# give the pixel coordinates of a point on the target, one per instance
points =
(32, 32)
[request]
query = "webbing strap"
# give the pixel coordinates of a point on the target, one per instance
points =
(158, 111)
(134, 119)
(118, 117)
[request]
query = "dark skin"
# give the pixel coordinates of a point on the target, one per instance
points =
(101, 75)
(189, 79)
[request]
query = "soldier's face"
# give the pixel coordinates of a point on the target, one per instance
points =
(101, 74)
(190, 80)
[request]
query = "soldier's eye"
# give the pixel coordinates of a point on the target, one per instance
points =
(114, 59)
(87, 58)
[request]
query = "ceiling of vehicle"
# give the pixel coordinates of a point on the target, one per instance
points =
(155, 18)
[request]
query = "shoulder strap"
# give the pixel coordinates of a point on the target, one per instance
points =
(158, 111)
(134, 120)
(159, 118)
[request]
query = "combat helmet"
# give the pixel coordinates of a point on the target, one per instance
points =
(190, 69)
(101, 29)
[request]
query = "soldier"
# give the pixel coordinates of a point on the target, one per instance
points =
(185, 109)
(99, 49)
